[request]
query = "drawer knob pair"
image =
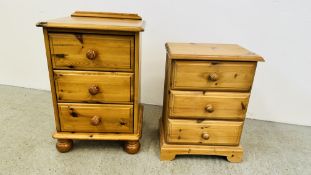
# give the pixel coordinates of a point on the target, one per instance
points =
(213, 77)
(95, 120)
(91, 54)
(209, 108)
(205, 135)
(93, 90)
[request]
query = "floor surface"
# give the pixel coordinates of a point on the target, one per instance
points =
(26, 146)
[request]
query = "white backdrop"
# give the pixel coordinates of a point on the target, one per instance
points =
(279, 30)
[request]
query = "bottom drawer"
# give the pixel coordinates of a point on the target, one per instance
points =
(205, 132)
(96, 118)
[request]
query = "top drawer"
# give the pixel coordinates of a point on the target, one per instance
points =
(91, 52)
(210, 75)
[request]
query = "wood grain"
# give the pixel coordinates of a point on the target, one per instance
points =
(131, 147)
(190, 131)
(234, 76)
(113, 118)
(104, 136)
(106, 15)
(91, 23)
(90, 31)
(96, 136)
(51, 78)
(168, 151)
(207, 51)
(64, 145)
(73, 86)
(94, 67)
(167, 87)
(206, 94)
(136, 85)
(193, 104)
(69, 51)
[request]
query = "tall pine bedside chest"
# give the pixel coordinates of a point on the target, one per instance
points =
(94, 68)
(206, 94)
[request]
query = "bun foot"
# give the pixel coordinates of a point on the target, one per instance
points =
(235, 157)
(132, 147)
(64, 145)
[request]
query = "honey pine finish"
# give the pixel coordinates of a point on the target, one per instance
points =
(94, 68)
(206, 94)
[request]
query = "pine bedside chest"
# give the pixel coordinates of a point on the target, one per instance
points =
(206, 93)
(94, 68)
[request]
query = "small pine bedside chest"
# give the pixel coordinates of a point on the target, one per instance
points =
(94, 68)
(206, 94)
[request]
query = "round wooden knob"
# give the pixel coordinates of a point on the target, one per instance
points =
(205, 135)
(91, 54)
(95, 120)
(213, 77)
(93, 90)
(209, 108)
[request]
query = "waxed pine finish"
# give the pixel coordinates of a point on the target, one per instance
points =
(206, 94)
(94, 68)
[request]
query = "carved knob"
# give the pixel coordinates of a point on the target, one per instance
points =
(95, 120)
(213, 77)
(209, 108)
(91, 54)
(93, 90)
(205, 135)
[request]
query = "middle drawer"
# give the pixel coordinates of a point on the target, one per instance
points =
(208, 105)
(93, 87)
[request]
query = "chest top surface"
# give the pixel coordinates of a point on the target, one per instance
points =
(205, 51)
(98, 21)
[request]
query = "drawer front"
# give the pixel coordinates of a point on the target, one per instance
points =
(204, 132)
(207, 75)
(96, 117)
(208, 105)
(93, 87)
(91, 52)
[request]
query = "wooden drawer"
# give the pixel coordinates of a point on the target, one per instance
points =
(204, 132)
(96, 117)
(93, 87)
(91, 52)
(208, 105)
(209, 75)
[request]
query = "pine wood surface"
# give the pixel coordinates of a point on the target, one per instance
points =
(96, 136)
(97, 21)
(136, 85)
(64, 145)
(51, 78)
(206, 94)
(167, 88)
(206, 51)
(168, 151)
(192, 131)
(112, 52)
(193, 105)
(234, 76)
(131, 147)
(94, 68)
(106, 15)
(112, 118)
(73, 86)
(105, 136)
